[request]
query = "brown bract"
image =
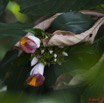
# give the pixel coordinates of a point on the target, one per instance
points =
(65, 38)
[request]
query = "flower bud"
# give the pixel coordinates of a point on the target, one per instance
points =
(64, 53)
(29, 44)
(34, 61)
(50, 51)
(55, 55)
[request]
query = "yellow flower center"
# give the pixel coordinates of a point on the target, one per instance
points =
(33, 82)
(23, 41)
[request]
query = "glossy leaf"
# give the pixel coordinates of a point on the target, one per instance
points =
(75, 22)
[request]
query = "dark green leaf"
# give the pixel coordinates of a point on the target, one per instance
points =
(72, 21)
(14, 29)
(46, 7)
(37, 32)
(3, 4)
(18, 73)
(7, 43)
(6, 63)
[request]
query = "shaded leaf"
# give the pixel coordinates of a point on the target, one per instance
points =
(96, 83)
(18, 73)
(6, 43)
(13, 29)
(3, 4)
(54, 6)
(75, 22)
(6, 63)
(46, 23)
(62, 81)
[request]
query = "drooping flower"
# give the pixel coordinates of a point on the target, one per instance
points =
(36, 77)
(29, 44)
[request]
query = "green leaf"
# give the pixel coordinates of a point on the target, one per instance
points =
(37, 32)
(3, 4)
(14, 29)
(95, 88)
(46, 7)
(18, 73)
(7, 43)
(6, 63)
(72, 21)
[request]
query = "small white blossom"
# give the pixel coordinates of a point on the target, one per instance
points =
(64, 53)
(42, 51)
(51, 51)
(55, 60)
(55, 55)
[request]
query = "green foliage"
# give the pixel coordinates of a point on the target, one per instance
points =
(15, 69)
(18, 73)
(6, 63)
(37, 32)
(46, 7)
(95, 87)
(71, 20)
(3, 4)
(14, 29)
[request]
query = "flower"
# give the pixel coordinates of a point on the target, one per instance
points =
(29, 44)
(34, 61)
(36, 77)
(51, 51)
(55, 60)
(64, 53)
(55, 55)
(42, 51)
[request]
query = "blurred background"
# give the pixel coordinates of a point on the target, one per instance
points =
(11, 15)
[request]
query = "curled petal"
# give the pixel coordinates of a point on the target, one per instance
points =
(37, 69)
(35, 39)
(35, 80)
(29, 44)
(34, 61)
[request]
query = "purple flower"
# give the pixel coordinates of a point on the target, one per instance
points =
(36, 77)
(29, 44)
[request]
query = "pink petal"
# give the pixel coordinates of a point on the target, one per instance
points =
(36, 80)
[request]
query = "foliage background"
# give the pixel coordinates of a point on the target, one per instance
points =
(14, 20)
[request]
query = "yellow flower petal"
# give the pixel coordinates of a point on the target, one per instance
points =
(32, 82)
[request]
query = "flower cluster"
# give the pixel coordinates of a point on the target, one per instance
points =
(40, 57)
